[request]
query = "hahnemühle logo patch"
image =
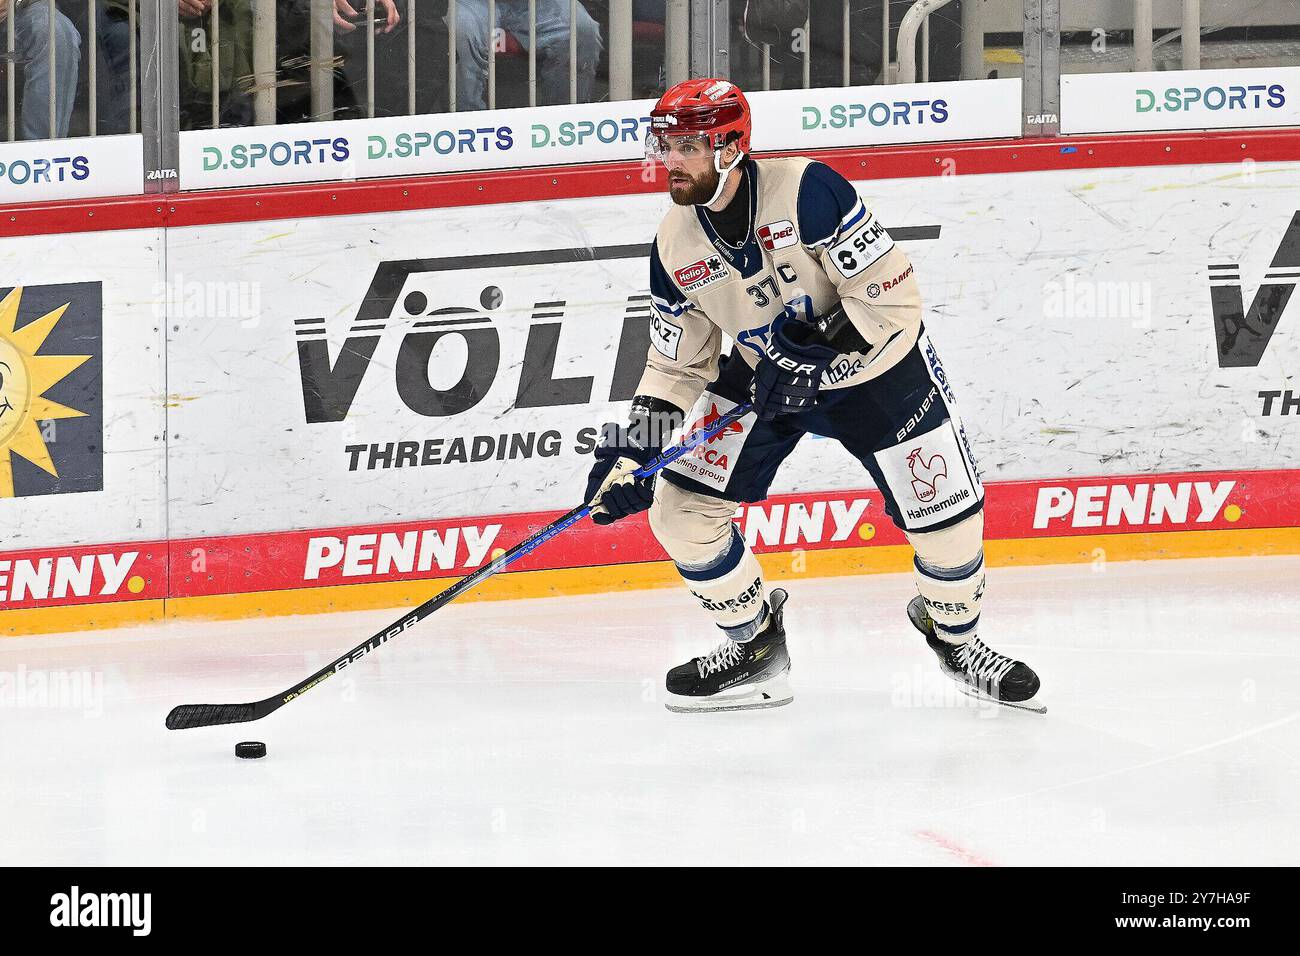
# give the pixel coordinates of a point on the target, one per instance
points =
(51, 390)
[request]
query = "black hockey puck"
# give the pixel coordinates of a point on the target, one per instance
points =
(250, 749)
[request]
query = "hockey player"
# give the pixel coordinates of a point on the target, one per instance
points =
(758, 250)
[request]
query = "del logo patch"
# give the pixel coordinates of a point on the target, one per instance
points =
(699, 274)
(51, 390)
(777, 235)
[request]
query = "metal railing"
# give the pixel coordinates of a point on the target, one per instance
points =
(972, 40)
(58, 98)
(58, 25)
(918, 16)
(1145, 35)
(914, 23)
(1190, 34)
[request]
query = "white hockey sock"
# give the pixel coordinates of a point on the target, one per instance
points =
(730, 588)
(952, 597)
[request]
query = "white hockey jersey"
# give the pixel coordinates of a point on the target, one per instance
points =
(812, 244)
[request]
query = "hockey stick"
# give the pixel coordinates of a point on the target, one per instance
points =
(185, 716)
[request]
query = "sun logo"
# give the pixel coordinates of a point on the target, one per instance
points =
(24, 379)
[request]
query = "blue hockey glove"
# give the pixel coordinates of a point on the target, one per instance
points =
(611, 489)
(790, 373)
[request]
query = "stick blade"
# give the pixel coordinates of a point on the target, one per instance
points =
(186, 716)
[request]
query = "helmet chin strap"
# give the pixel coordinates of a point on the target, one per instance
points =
(722, 174)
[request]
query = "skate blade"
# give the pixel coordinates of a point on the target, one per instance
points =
(1030, 705)
(771, 693)
(720, 707)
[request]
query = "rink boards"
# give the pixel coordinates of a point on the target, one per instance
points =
(325, 411)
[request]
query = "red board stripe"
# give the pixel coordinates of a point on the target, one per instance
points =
(452, 547)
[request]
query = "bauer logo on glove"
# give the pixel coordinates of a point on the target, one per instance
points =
(789, 375)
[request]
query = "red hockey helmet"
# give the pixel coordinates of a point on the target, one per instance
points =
(711, 108)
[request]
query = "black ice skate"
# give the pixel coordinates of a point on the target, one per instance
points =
(979, 671)
(737, 676)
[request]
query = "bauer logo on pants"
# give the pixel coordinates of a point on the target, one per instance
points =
(51, 390)
(930, 477)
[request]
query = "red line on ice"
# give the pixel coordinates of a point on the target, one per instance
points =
(956, 849)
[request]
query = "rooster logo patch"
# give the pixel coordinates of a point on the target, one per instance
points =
(926, 474)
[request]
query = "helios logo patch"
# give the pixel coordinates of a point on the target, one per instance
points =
(51, 392)
(699, 274)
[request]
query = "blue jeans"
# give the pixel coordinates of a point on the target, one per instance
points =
(552, 49)
(114, 93)
(32, 35)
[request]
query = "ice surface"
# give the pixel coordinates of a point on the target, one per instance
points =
(535, 732)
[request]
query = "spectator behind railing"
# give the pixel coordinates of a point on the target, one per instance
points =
(780, 25)
(351, 39)
(552, 49)
(33, 42)
(348, 17)
(235, 64)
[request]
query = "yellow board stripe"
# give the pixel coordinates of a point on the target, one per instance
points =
(783, 566)
(1001, 54)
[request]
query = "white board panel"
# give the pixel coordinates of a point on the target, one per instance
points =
(1072, 309)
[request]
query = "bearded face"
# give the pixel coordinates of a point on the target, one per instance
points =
(692, 178)
(688, 189)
